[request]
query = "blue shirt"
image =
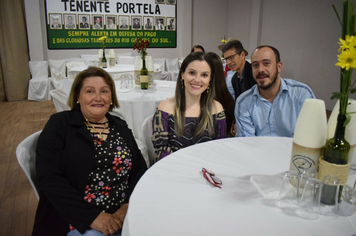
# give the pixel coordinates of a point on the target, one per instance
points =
(256, 116)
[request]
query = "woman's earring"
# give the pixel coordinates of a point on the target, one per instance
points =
(207, 89)
(111, 103)
(77, 102)
(182, 83)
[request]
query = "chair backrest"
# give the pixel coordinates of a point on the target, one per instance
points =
(58, 65)
(161, 62)
(87, 58)
(26, 157)
(60, 99)
(66, 85)
(126, 54)
(38, 69)
(125, 60)
(141, 145)
(172, 64)
(147, 137)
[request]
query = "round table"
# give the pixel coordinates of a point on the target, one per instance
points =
(137, 104)
(173, 198)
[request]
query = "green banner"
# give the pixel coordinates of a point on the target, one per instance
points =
(78, 24)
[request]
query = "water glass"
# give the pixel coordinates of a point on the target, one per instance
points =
(288, 194)
(348, 203)
(304, 175)
(329, 200)
(309, 202)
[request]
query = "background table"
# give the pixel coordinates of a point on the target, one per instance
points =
(173, 198)
(137, 104)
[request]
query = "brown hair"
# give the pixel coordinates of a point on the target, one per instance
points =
(78, 84)
(206, 100)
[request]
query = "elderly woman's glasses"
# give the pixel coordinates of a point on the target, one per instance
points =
(211, 178)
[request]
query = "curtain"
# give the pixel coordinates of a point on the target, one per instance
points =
(14, 54)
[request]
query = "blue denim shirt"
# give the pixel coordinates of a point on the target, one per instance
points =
(255, 116)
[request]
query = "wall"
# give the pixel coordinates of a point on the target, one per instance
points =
(305, 32)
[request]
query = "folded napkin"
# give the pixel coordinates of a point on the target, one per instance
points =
(267, 185)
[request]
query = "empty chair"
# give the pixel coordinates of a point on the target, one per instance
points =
(129, 60)
(164, 74)
(26, 157)
(58, 65)
(60, 99)
(40, 84)
(147, 136)
(173, 67)
(56, 78)
(72, 64)
(87, 58)
(126, 54)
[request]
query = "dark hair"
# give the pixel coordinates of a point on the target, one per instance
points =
(197, 46)
(276, 52)
(206, 99)
(235, 44)
(78, 84)
(222, 94)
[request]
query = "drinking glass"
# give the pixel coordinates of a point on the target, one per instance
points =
(329, 200)
(288, 194)
(348, 203)
(304, 175)
(310, 200)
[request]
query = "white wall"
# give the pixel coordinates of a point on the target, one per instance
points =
(305, 32)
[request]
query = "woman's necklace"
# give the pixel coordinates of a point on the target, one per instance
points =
(194, 109)
(93, 129)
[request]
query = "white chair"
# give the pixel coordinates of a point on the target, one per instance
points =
(147, 136)
(56, 78)
(125, 60)
(141, 145)
(26, 157)
(87, 58)
(60, 99)
(58, 65)
(126, 54)
(164, 74)
(40, 84)
(71, 64)
(173, 67)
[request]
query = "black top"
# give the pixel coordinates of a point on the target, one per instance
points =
(240, 85)
(65, 157)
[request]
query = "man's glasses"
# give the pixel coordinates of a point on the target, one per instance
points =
(232, 57)
(211, 178)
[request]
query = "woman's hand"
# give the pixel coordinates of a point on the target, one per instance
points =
(121, 213)
(106, 223)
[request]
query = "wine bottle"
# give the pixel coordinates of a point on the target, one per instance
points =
(336, 151)
(144, 75)
(104, 62)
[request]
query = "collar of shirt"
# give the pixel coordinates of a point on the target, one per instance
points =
(281, 89)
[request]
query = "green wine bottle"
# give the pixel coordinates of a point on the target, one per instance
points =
(336, 151)
(104, 62)
(144, 75)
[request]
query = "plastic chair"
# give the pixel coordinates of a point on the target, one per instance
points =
(26, 157)
(40, 84)
(60, 99)
(147, 136)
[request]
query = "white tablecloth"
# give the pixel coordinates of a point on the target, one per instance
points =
(173, 198)
(118, 69)
(138, 104)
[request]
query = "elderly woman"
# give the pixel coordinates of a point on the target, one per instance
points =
(192, 115)
(87, 163)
